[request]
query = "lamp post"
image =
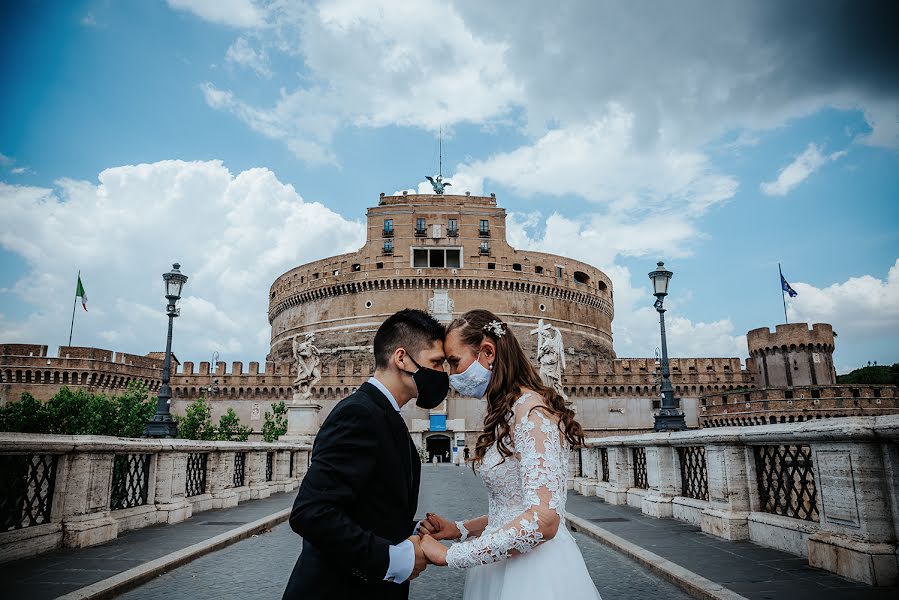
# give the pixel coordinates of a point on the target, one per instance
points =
(669, 417)
(162, 425)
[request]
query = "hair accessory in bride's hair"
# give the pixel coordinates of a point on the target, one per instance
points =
(496, 328)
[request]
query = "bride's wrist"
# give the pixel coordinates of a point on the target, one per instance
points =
(463, 532)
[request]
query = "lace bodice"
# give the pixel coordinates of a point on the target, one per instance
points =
(526, 492)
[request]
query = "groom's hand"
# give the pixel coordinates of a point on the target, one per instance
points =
(421, 561)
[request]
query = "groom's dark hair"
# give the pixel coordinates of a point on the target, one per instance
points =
(410, 328)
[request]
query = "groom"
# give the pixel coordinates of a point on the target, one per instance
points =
(357, 501)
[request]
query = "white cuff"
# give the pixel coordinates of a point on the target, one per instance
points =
(462, 530)
(402, 561)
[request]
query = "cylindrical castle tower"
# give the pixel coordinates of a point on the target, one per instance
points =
(444, 254)
(793, 355)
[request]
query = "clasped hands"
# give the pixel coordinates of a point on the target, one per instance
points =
(428, 549)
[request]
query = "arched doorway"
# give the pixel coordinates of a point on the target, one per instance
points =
(438, 445)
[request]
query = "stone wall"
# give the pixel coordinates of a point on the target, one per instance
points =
(793, 355)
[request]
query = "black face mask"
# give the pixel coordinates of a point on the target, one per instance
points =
(432, 385)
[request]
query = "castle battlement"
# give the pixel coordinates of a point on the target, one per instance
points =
(788, 335)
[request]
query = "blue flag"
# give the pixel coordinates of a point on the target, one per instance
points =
(786, 287)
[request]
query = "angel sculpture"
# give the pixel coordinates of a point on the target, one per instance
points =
(438, 184)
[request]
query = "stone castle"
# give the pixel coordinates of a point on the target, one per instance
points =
(448, 254)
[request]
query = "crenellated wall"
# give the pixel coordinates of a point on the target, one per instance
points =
(793, 355)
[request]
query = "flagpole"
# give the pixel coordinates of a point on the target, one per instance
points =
(74, 304)
(782, 295)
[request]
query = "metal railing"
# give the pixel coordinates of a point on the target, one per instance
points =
(130, 481)
(240, 469)
(27, 483)
(693, 472)
(786, 481)
(196, 473)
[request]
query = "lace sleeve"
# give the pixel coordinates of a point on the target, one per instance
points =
(543, 472)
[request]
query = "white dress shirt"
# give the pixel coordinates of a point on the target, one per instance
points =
(402, 555)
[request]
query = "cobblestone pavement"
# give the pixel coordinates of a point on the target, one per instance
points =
(258, 567)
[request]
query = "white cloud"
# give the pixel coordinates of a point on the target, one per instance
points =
(860, 308)
(234, 13)
(598, 241)
(370, 63)
(232, 234)
(798, 171)
(6, 161)
(89, 20)
(18, 170)
(243, 54)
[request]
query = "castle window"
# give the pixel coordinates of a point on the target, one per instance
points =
(357, 267)
(485, 248)
(581, 278)
(388, 227)
(602, 286)
(453, 228)
(436, 258)
(538, 270)
(315, 276)
(335, 272)
(379, 265)
(516, 266)
(484, 229)
(388, 246)
(558, 271)
(491, 265)
(420, 228)
(542, 307)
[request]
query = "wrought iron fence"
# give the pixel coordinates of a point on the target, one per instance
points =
(196, 473)
(269, 465)
(786, 481)
(639, 455)
(694, 475)
(130, 481)
(292, 453)
(240, 462)
(580, 462)
(604, 460)
(27, 482)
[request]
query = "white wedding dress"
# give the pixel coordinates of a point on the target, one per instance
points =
(512, 559)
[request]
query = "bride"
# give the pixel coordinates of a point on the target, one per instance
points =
(521, 549)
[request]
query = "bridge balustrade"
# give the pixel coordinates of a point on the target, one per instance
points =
(76, 491)
(827, 490)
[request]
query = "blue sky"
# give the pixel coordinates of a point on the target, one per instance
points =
(243, 138)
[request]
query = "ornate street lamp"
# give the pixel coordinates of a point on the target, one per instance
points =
(669, 417)
(163, 425)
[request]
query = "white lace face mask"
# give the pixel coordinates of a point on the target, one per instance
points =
(473, 382)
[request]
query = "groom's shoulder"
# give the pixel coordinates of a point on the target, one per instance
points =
(359, 402)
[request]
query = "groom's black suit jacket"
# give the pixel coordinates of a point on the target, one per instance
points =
(358, 497)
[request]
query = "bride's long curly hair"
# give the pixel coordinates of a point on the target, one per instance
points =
(512, 371)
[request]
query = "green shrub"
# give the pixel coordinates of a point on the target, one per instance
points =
(275, 423)
(196, 424)
(230, 429)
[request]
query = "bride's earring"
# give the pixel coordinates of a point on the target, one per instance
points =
(490, 366)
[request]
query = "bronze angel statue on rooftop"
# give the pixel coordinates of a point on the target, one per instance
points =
(438, 184)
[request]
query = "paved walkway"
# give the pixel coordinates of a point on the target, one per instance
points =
(746, 568)
(259, 567)
(61, 571)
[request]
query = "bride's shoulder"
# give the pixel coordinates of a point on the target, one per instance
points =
(528, 403)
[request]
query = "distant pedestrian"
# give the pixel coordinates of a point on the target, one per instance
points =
(466, 452)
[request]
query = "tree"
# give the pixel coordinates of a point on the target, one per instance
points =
(872, 374)
(28, 415)
(275, 423)
(196, 424)
(133, 409)
(230, 429)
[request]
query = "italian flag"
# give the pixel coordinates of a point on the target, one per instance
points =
(79, 291)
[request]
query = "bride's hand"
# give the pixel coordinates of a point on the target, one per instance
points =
(434, 551)
(439, 528)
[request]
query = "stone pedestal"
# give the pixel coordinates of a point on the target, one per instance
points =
(620, 476)
(858, 536)
(255, 474)
(171, 484)
(729, 493)
(663, 478)
(220, 480)
(85, 510)
(302, 422)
